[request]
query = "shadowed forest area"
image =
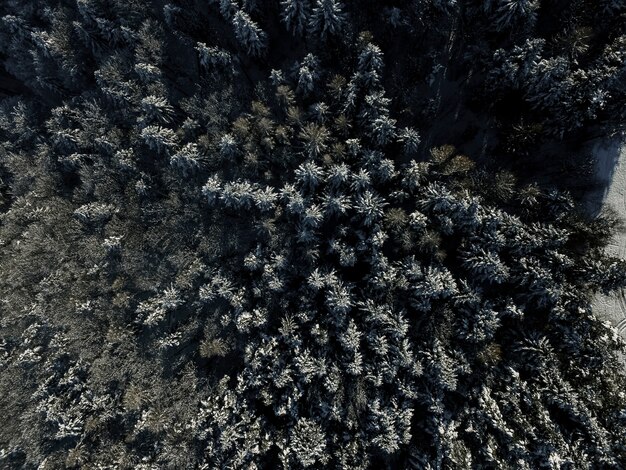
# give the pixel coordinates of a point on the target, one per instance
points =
(324, 234)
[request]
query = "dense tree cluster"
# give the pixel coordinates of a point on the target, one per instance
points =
(261, 234)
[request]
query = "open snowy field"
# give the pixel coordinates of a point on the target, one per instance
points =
(611, 173)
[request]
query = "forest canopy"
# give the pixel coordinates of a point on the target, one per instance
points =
(324, 234)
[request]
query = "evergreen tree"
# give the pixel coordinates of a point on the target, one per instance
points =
(249, 34)
(515, 12)
(327, 18)
(295, 15)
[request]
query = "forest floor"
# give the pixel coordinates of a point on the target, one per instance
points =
(610, 163)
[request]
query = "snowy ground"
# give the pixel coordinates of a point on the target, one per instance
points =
(611, 174)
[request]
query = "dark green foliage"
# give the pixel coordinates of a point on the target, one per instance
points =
(232, 235)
